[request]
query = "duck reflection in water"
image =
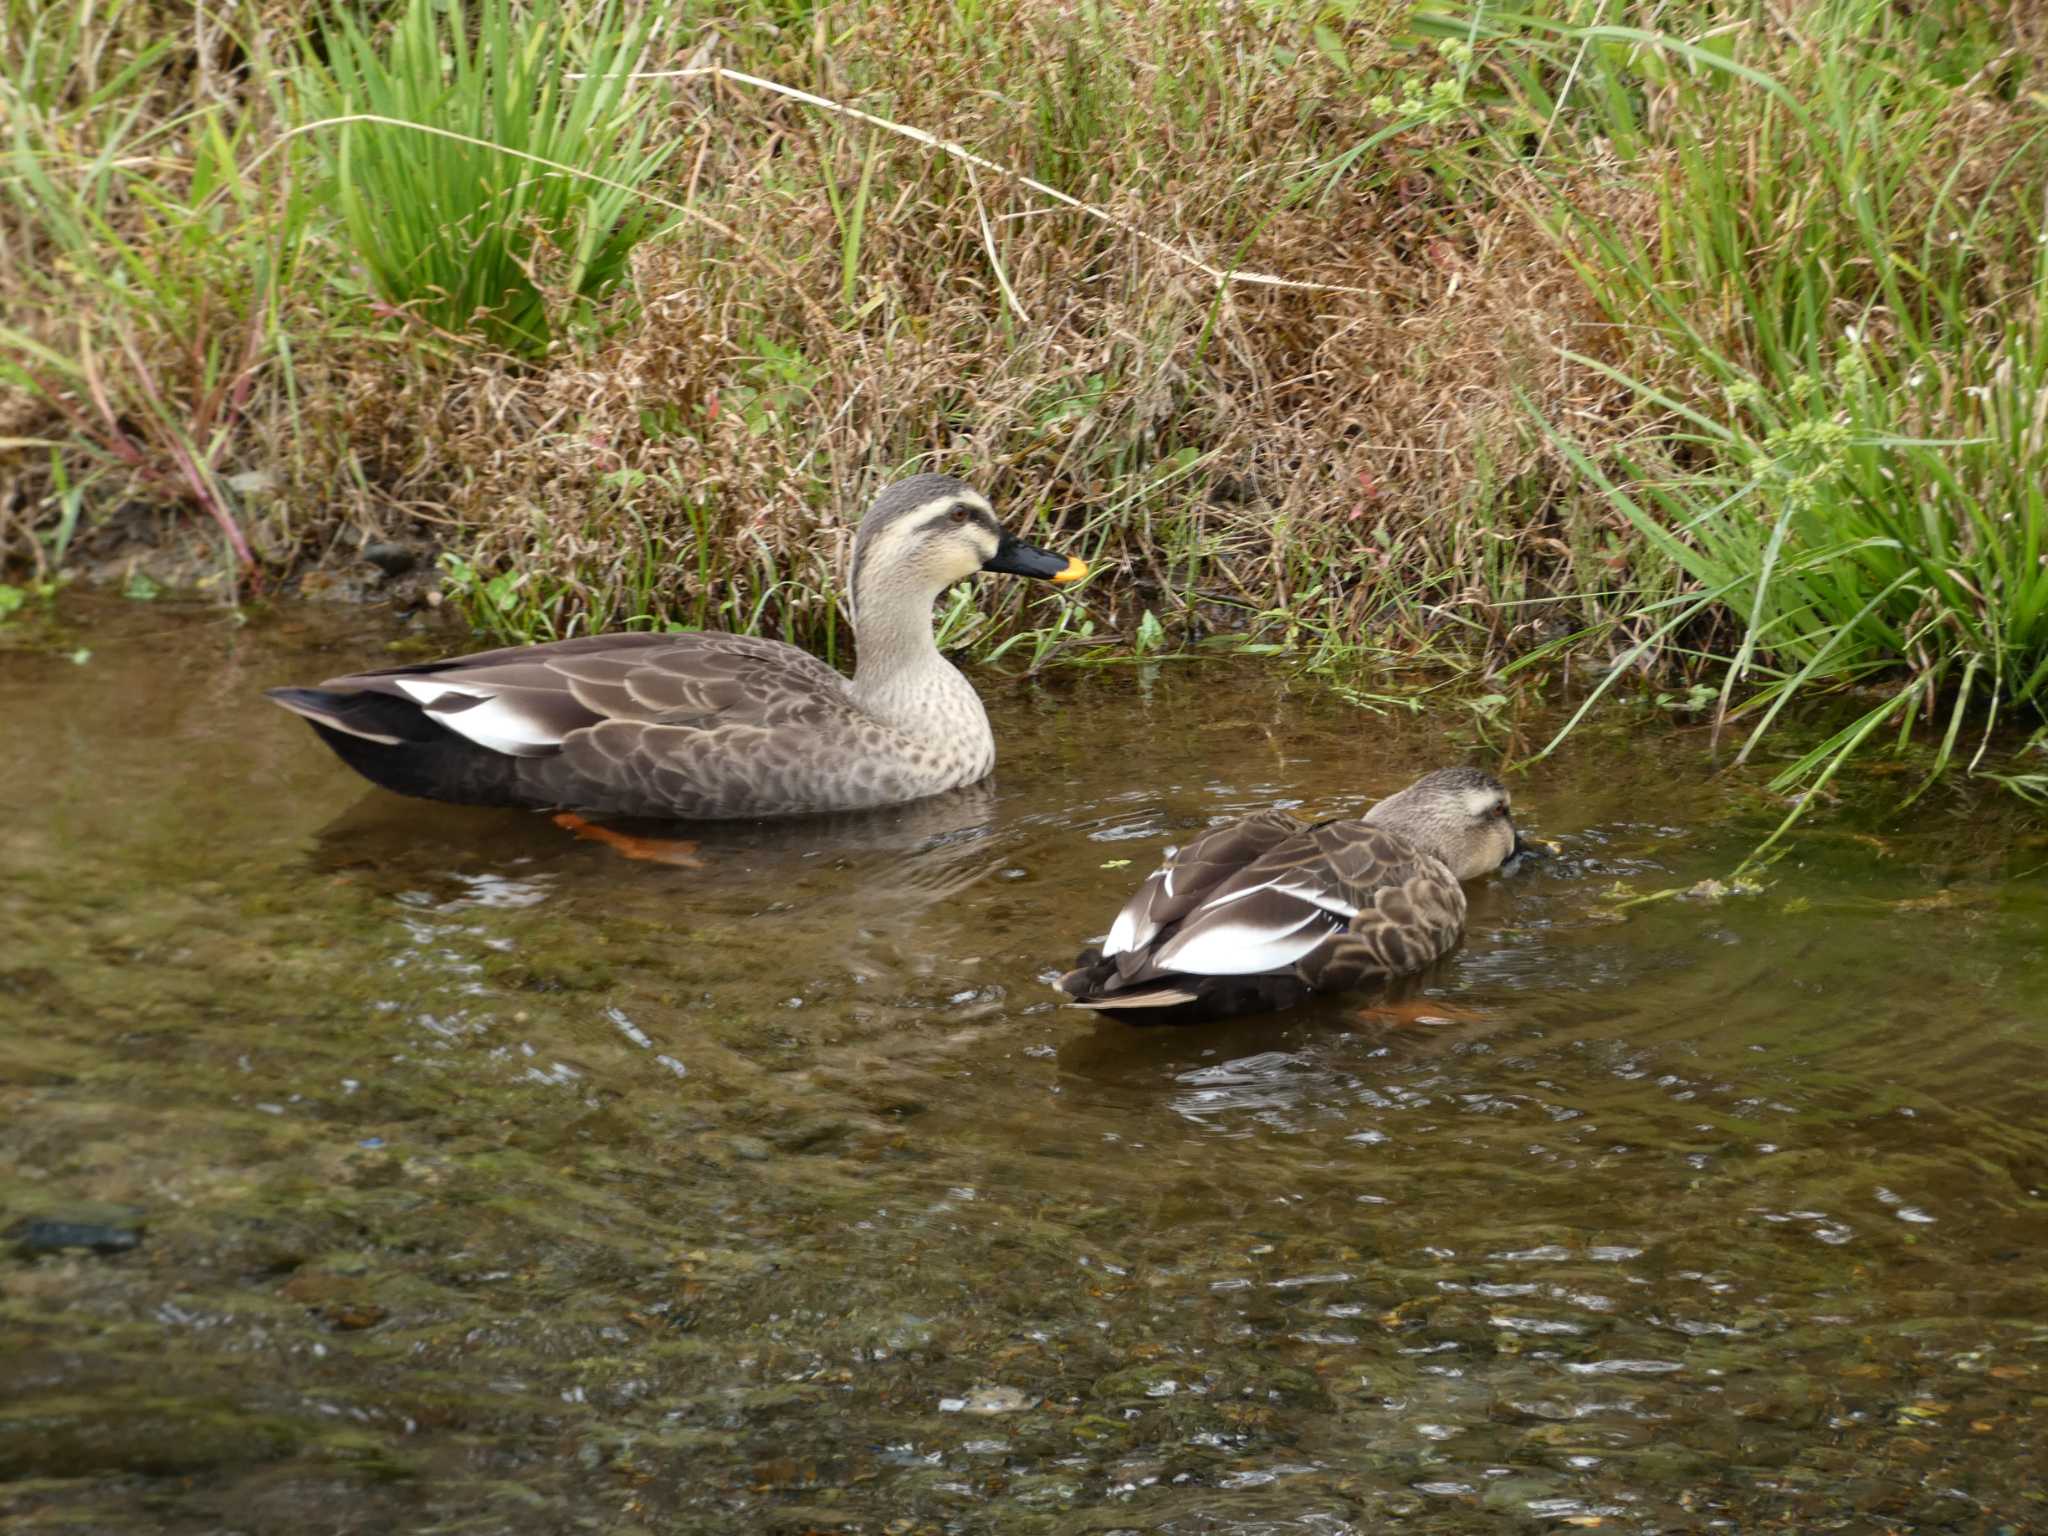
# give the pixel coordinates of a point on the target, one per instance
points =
(896, 858)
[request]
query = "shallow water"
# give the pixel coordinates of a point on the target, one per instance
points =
(489, 1181)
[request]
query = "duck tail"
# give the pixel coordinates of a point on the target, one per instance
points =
(1089, 977)
(378, 717)
(398, 746)
(1101, 984)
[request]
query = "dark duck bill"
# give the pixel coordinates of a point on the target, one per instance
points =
(1013, 557)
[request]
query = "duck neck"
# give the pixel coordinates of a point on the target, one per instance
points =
(1425, 832)
(901, 679)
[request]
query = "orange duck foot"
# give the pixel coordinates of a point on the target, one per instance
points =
(1417, 1010)
(656, 850)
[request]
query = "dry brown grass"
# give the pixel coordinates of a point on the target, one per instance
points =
(1365, 439)
(1229, 445)
(1351, 459)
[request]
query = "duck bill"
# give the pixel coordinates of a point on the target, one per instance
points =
(1013, 557)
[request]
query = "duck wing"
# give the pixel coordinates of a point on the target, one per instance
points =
(529, 701)
(693, 725)
(1410, 913)
(1189, 875)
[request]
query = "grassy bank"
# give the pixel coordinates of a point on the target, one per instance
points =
(1714, 347)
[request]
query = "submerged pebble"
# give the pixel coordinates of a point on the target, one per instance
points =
(988, 1402)
(54, 1234)
(391, 559)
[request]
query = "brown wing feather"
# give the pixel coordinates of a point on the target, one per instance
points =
(743, 767)
(1409, 924)
(1188, 877)
(675, 679)
(1410, 907)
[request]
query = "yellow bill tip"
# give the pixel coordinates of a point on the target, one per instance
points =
(1073, 570)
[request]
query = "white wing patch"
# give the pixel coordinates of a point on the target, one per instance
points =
(491, 722)
(1133, 930)
(1123, 933)
(308, 712)
(1239, 949)
(1216, 902)
(1210, 943)
(427, 691)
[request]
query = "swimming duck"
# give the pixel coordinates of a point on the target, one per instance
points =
(705, 726)
(1257, 915)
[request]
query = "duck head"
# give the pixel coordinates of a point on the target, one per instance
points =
(1461, 815)
(927, 532)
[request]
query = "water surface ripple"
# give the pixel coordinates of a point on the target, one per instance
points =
(490, 1181)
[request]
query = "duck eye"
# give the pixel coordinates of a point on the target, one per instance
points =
(960, 514)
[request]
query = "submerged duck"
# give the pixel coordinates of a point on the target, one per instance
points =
(1257, 915)
(705, 726)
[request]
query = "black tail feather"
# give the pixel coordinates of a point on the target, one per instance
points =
(398, 746)
(1096, 982)
(369, 715)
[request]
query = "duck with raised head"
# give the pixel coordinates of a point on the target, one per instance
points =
(1259, 914)
(705, 725)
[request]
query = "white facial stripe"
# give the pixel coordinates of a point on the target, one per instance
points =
(916, 539)
(1480, 802)
(938, 512)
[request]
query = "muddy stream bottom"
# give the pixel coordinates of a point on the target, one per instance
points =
(449, 1173)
